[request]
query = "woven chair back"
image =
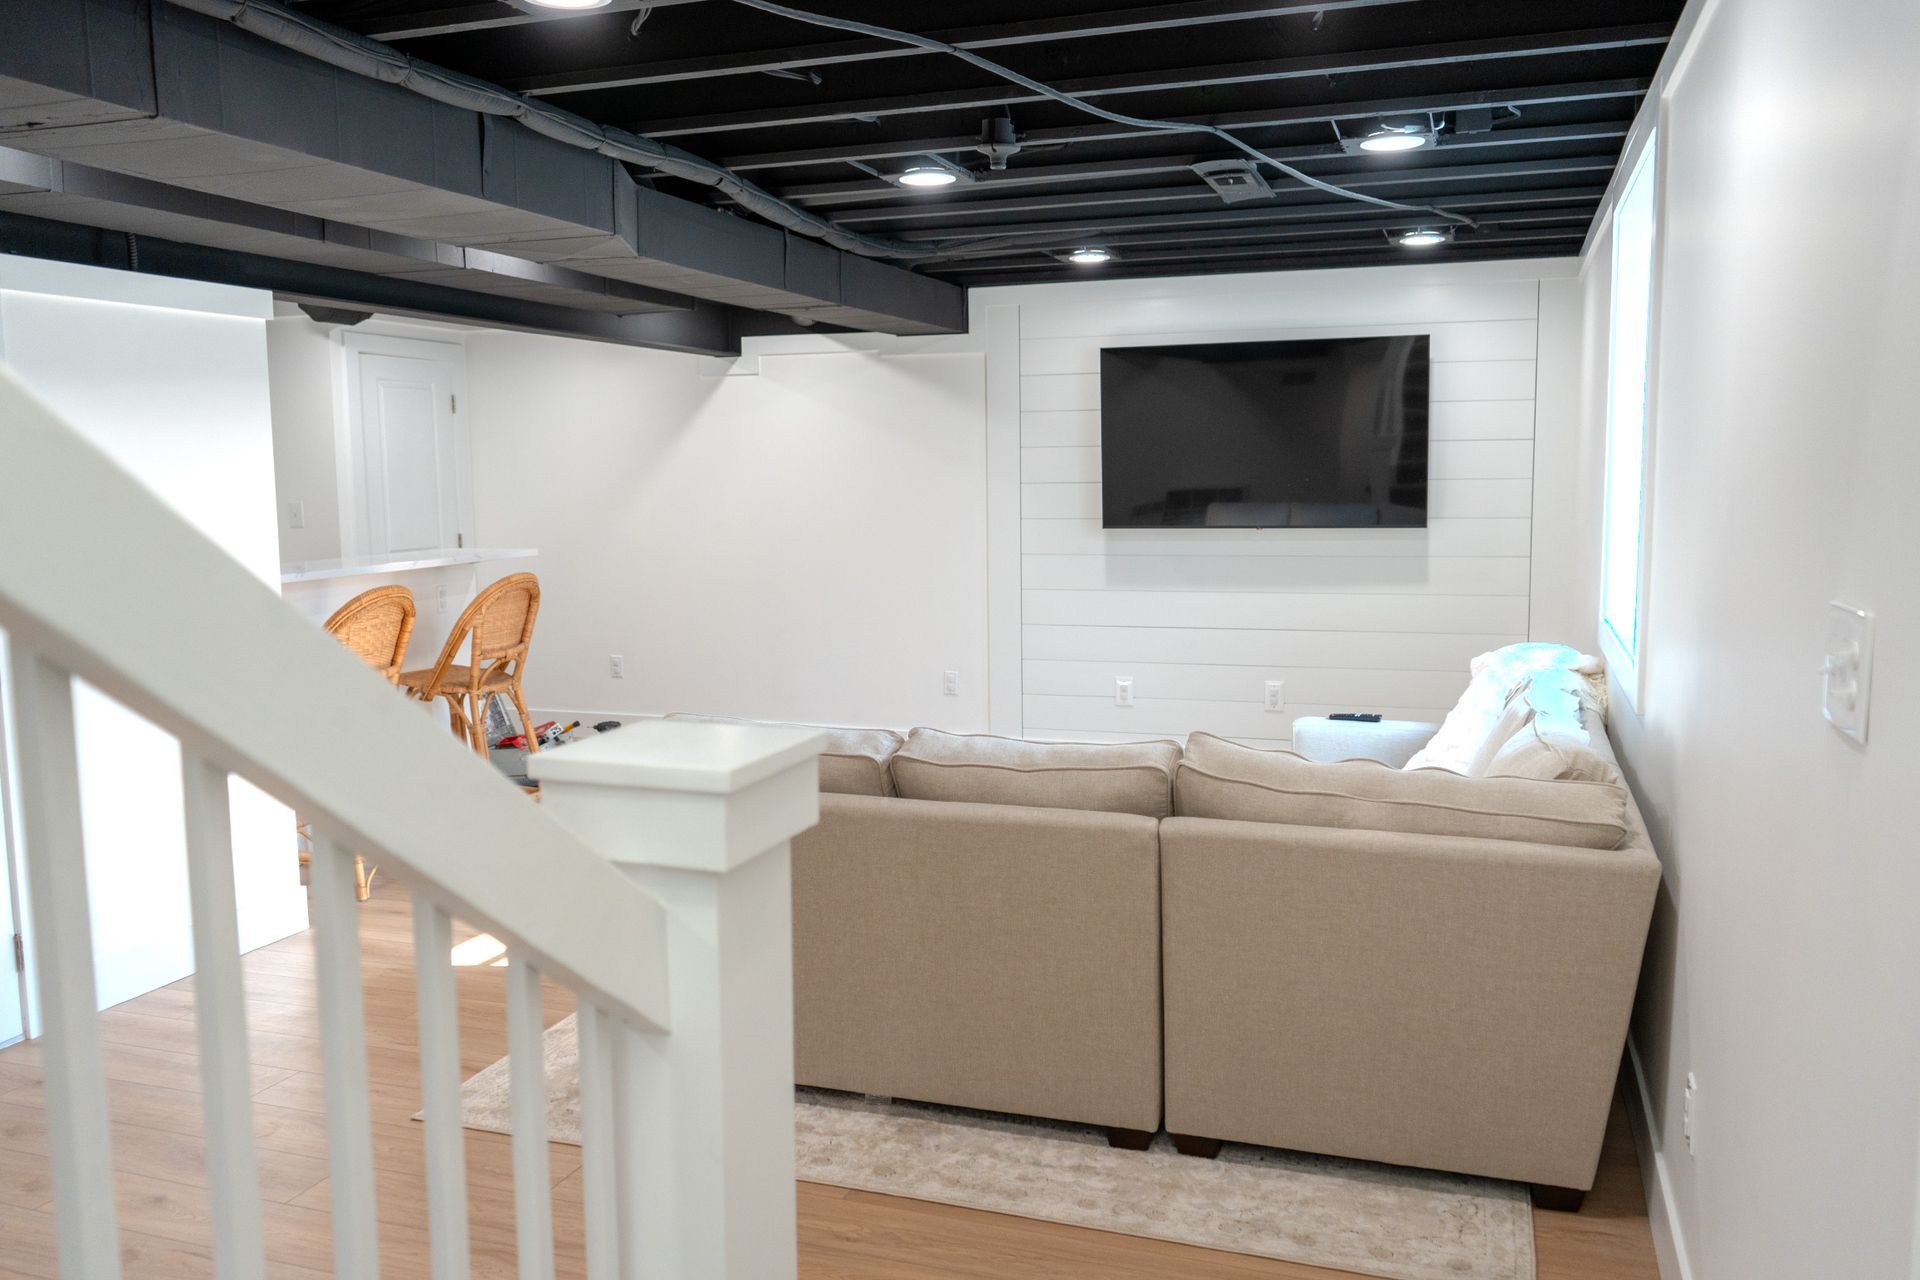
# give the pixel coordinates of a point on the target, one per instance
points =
(376, 625)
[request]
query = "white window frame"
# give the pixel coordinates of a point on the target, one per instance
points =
(1627, 658)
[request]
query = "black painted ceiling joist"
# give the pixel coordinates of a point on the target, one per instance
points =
(1319, 113)
(480, 15)
(812, 57)
(832, 194)
(1064, 232)
(1390, 182)
(1004, 94)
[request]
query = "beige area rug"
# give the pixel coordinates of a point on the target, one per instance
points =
(1377, 1220)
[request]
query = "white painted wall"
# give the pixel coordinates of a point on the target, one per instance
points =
(806, 542)
(1782, 968)
(1382, 620)
(822, 538)
(301, 359)
(170, 378)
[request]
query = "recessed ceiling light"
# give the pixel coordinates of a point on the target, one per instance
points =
(1425, 237)
(1393, 140)
(1091, 256)
(922, 175)
(570, 4)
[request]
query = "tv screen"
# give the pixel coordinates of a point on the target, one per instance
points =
(1315, 433)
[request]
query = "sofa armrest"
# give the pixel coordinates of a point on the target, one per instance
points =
(990, 956)
(1434, 1001)
(1391, 742)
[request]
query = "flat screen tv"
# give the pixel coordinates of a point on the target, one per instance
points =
(1314, 433)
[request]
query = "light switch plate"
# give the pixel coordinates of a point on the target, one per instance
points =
(1846, 677)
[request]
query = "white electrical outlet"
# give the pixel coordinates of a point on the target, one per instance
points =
(950, 684)
(296, 515)
(1123, 691)
(1275, 692)
(1687, 1110)
(617, 666)
(440, 597)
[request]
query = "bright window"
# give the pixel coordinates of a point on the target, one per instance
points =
(1630, 353)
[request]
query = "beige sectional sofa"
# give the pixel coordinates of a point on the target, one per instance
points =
(1415, 967)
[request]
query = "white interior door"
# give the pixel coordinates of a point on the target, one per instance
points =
(412, 448)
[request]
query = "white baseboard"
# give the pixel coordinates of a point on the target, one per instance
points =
(1663, 1216)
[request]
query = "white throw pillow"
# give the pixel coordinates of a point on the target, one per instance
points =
(1479, 724)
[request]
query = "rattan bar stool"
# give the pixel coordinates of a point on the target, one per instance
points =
(375, 626)
(496, 629)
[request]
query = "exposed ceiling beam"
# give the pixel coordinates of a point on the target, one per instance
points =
(1105, 22)
(479, 15)
(40, 186)
(1065, 230)
(1387, 255)
(1348, 245)
(1272, 117)
(825, 194)
(1197, 191)
(709, 329)
(1573, 219)
(228, 113)
(1002, 93)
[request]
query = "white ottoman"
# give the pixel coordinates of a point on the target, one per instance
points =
(1391, 742)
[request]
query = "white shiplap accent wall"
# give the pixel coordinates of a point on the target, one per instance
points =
(1382, 620)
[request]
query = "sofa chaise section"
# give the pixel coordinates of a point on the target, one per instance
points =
(1453, 997)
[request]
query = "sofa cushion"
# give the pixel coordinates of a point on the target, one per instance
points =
(1123, 777)
(1220, 779)
(1472, 730)
(854, 762)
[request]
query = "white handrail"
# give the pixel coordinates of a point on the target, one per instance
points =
(214, 657)
(656, 874)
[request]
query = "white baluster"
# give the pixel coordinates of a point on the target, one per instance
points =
(598, 1171)
(527, 1090)
(440, 1090)
(75, 1083)
(343, 1055)
(700, 816)
(220, 1009)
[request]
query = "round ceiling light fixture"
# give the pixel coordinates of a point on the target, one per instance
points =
(1090, 256)
(1425, 237)
(570, 4)
(927, 175)
(1394, 139)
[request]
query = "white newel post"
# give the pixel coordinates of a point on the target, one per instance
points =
(700, 816)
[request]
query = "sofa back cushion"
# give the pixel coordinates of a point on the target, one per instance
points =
(1129, 777)
(854, 762)
(1220, 779)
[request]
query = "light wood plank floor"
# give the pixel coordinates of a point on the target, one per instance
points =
(844, 1235)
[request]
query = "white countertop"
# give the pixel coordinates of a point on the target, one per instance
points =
(361, 566)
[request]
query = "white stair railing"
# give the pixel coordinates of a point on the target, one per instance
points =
(655, 888)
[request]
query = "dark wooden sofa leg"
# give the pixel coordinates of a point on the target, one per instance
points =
(1188, 1145)
(1129, 1139)
(1557, 1199)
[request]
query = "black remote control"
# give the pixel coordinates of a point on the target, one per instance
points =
(1361, 717)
